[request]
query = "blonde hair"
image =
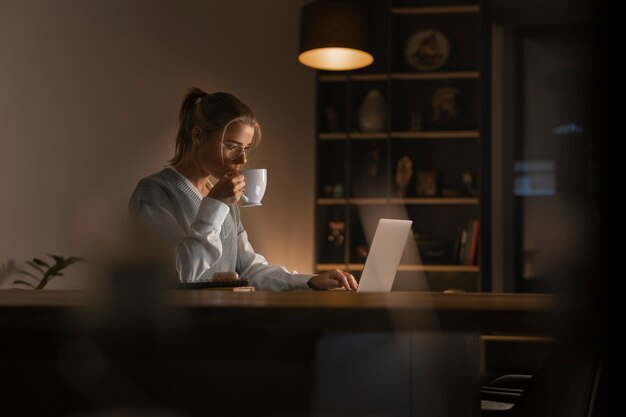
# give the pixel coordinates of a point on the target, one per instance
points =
(213, 113)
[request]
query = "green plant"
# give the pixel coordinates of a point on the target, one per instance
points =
(46, 270)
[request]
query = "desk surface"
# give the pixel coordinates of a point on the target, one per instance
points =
(299, 311)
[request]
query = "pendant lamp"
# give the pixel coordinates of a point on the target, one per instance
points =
(333, 35)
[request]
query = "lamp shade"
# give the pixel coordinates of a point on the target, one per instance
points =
(333, 35)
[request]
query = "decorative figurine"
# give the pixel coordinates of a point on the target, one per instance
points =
(338, 190)
(427, 183)
(404, 172)
(336, 238)
(372, 112)
(470, 183)
(336, 232)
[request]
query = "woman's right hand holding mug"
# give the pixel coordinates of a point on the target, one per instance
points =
(229, 188)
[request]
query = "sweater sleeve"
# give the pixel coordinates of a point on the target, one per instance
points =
(197, 249)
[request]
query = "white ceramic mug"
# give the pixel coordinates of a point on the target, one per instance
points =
(256, 181)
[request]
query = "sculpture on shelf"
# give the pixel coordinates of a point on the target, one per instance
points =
(336, 238)
(445, 114)
(468, 180)
(404, 172)
(372, 112)
(338, 190)
(336, 232)
(427, 183)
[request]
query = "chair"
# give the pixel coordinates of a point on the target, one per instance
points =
(566, 383)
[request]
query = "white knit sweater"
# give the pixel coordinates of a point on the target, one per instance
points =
(206, 235)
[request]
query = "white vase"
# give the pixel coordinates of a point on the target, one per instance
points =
(372, 112)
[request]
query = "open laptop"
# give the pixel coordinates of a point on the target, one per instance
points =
(384, 255)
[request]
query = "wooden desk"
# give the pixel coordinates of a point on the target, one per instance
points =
(282, 349)
(306, 311)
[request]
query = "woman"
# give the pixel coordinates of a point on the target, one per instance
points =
(193, 202)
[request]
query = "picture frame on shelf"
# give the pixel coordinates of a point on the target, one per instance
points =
(445, 109)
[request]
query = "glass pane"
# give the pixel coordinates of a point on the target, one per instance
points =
(555, 160)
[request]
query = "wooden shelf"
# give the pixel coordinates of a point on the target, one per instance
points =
(379, 76)
(332, 136)
(369, 77)
(402, 76)
(332, 77)
(428, 134)
(435, 10)
(403, 268)
(514, 338)
(447, 134)
(438, 268)
(353, 136)
(448, 75)
(398, 201)
(368, 136)
(435, 201)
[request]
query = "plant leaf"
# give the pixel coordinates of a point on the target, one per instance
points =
(40, 262)
(57, 258)
(19, 281)
(30, 275)
(37, 267)
(74, 259)
(55, 269)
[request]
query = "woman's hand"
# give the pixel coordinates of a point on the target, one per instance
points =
(229, 188)
(333, 279)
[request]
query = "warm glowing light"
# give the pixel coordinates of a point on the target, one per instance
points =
(335, 59)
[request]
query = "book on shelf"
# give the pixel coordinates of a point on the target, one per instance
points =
(458, 244)
(466, 244)
(471, 258)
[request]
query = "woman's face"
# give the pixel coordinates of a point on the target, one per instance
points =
(216, 158)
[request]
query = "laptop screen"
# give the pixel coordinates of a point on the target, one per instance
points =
(384, 255)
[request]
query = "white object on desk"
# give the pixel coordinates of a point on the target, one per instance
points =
(384, 256)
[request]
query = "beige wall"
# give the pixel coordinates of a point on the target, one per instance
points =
(89, 94)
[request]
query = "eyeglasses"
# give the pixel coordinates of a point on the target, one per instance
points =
(234, 151)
